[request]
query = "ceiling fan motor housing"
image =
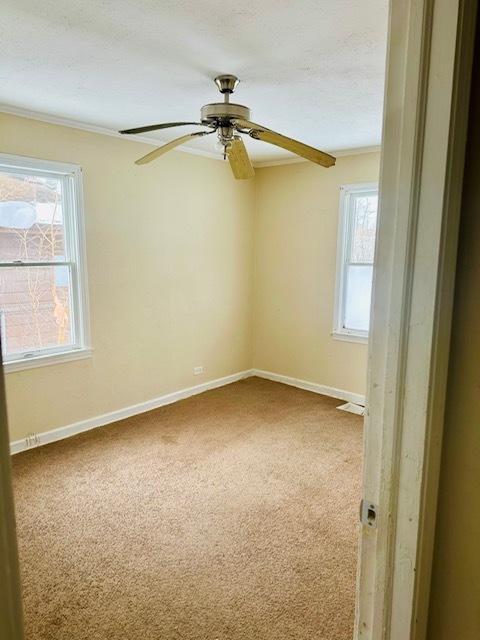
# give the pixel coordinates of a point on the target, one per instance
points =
(224, 112)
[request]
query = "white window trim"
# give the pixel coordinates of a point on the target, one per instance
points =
(339, 332)
(82, 348)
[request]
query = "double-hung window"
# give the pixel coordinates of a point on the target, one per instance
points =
(43, 297)
(355, 254)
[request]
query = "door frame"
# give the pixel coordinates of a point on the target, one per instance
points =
(430, 52)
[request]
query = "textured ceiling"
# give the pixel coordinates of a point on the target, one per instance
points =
(311, 69)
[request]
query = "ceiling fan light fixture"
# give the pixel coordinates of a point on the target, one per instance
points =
(222, 147)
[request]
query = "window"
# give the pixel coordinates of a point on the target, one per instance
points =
(43, 301)
(356, 248)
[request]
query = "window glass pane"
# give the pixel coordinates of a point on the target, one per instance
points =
(358, 296)
(31, 218)
(35, 308)
(364, 223)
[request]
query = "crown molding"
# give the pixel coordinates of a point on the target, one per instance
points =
(91, 128)
(354, 151)
(276, 163)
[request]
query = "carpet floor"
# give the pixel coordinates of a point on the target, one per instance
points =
(230, 515)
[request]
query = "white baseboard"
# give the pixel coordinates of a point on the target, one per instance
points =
(341, 394)
(99, 421)
(107, 418)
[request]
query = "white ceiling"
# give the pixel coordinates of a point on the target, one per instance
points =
(311, 69)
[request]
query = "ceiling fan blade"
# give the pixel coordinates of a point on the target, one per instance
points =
(239, 161)
(258, 132)
(250, 126)
(165, 125)
(156, 153)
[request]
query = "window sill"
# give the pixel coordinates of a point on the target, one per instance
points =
(44, 361)
(350, 337)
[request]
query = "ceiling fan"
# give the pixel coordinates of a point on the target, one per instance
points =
(229, 120)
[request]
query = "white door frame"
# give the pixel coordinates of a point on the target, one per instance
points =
(425, 121)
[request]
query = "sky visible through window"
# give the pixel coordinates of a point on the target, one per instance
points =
(359, 261)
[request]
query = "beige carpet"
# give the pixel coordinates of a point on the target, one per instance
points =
(231, 515)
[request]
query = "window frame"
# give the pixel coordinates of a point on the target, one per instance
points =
(75, 259)
(344, 240)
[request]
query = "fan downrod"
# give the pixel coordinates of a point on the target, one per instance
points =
(222, 113)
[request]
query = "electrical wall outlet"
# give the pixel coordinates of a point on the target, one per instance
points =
(197, 371)
(32, 440)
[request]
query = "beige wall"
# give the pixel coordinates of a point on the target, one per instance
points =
(173, 251)
(295, 261)
(169, 253)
